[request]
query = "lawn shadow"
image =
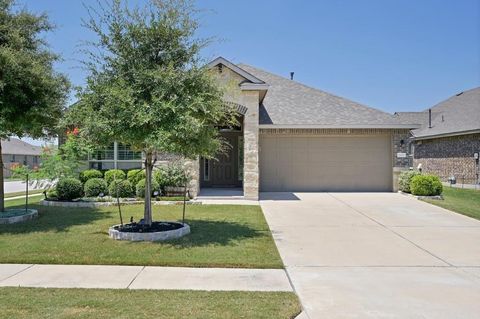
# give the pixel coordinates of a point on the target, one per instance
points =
(208, 232)
(58, 219)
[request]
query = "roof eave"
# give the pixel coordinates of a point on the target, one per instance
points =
(432, 136)
(336, 126)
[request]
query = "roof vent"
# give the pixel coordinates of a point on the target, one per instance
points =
(459, 94)
(429, 118)
(291, 75)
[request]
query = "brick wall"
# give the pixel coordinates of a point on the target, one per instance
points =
(449, 156)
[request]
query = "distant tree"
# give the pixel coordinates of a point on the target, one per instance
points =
(32, 94)
(146, 87)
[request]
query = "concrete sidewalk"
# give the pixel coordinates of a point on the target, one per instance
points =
(139, 277)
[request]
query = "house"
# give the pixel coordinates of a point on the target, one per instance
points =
(448, 142)
(296, 138)
(17, 152)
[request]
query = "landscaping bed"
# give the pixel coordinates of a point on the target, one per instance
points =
(122, 303)
(221, 236)
(17, 215)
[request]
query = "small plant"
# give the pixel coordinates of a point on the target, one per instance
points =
(140, 188)
(135, 175)
(121, 188)
(52, 193)
(426, 185)
(404, 180)
(95, 186)
(173, 175)
(114, 174)
(89, 174)
(69, 189)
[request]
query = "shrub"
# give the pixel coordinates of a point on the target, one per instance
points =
(426, 185)
(404, 180)
(69, 188)
(123, 187)
(171, 175)
(52, 193)
(114, 174)
(95, 186)
(135, 175)
(140, 188)
(89, 174)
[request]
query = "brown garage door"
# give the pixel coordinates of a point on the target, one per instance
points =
(325, 163)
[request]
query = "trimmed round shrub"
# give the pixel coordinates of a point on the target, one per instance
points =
(135, 175)
(69, 189)
(120, 188)
(114, 174)
(426, 185)
(95, 186)
(404, 180)
(140, 188)
(89, 174)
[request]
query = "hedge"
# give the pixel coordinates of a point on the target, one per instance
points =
(404, 180)
(121, 188)
(89, 174)
(114, 174)
(426, 185)
(69, 189)
(95, 186)
(135, 175)
(140, 188)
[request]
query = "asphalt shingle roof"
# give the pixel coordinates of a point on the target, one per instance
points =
(460, 113)
(14, 146)
(288, 102)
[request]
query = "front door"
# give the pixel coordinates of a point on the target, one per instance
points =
(223, 170)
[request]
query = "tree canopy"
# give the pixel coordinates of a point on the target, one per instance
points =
(147, 86)
(32, 93)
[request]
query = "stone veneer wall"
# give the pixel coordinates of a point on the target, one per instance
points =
(251, 140)
(449, 156)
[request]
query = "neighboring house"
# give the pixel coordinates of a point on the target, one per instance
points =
(116, 156)
(16, 152)
(448, 142)
(296, 138)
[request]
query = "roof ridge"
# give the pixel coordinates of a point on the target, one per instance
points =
(313, 88)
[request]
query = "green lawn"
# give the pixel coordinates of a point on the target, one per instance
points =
(222, 236)
(31, 192)
(121, 303)
(463, 201)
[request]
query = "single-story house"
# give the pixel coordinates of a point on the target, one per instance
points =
(296, 138)
(292, 137)
(448, 142)
(17, 152)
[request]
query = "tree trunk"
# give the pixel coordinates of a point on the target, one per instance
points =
(2, 191)
(147, 217)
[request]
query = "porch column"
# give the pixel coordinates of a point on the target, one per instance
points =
(250, 138)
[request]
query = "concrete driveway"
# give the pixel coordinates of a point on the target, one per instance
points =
(376, 255)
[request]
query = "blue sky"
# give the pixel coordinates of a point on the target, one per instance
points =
(394, 55)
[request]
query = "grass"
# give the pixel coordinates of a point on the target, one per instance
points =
(222, 236)
(121, 303)
(31, 192)
(463, 201)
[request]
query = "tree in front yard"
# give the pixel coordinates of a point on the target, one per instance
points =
(32, 94)
(146, 87)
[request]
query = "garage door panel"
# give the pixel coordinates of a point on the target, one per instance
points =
(325, 163)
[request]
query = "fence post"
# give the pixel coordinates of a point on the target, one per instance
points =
(26, 196)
